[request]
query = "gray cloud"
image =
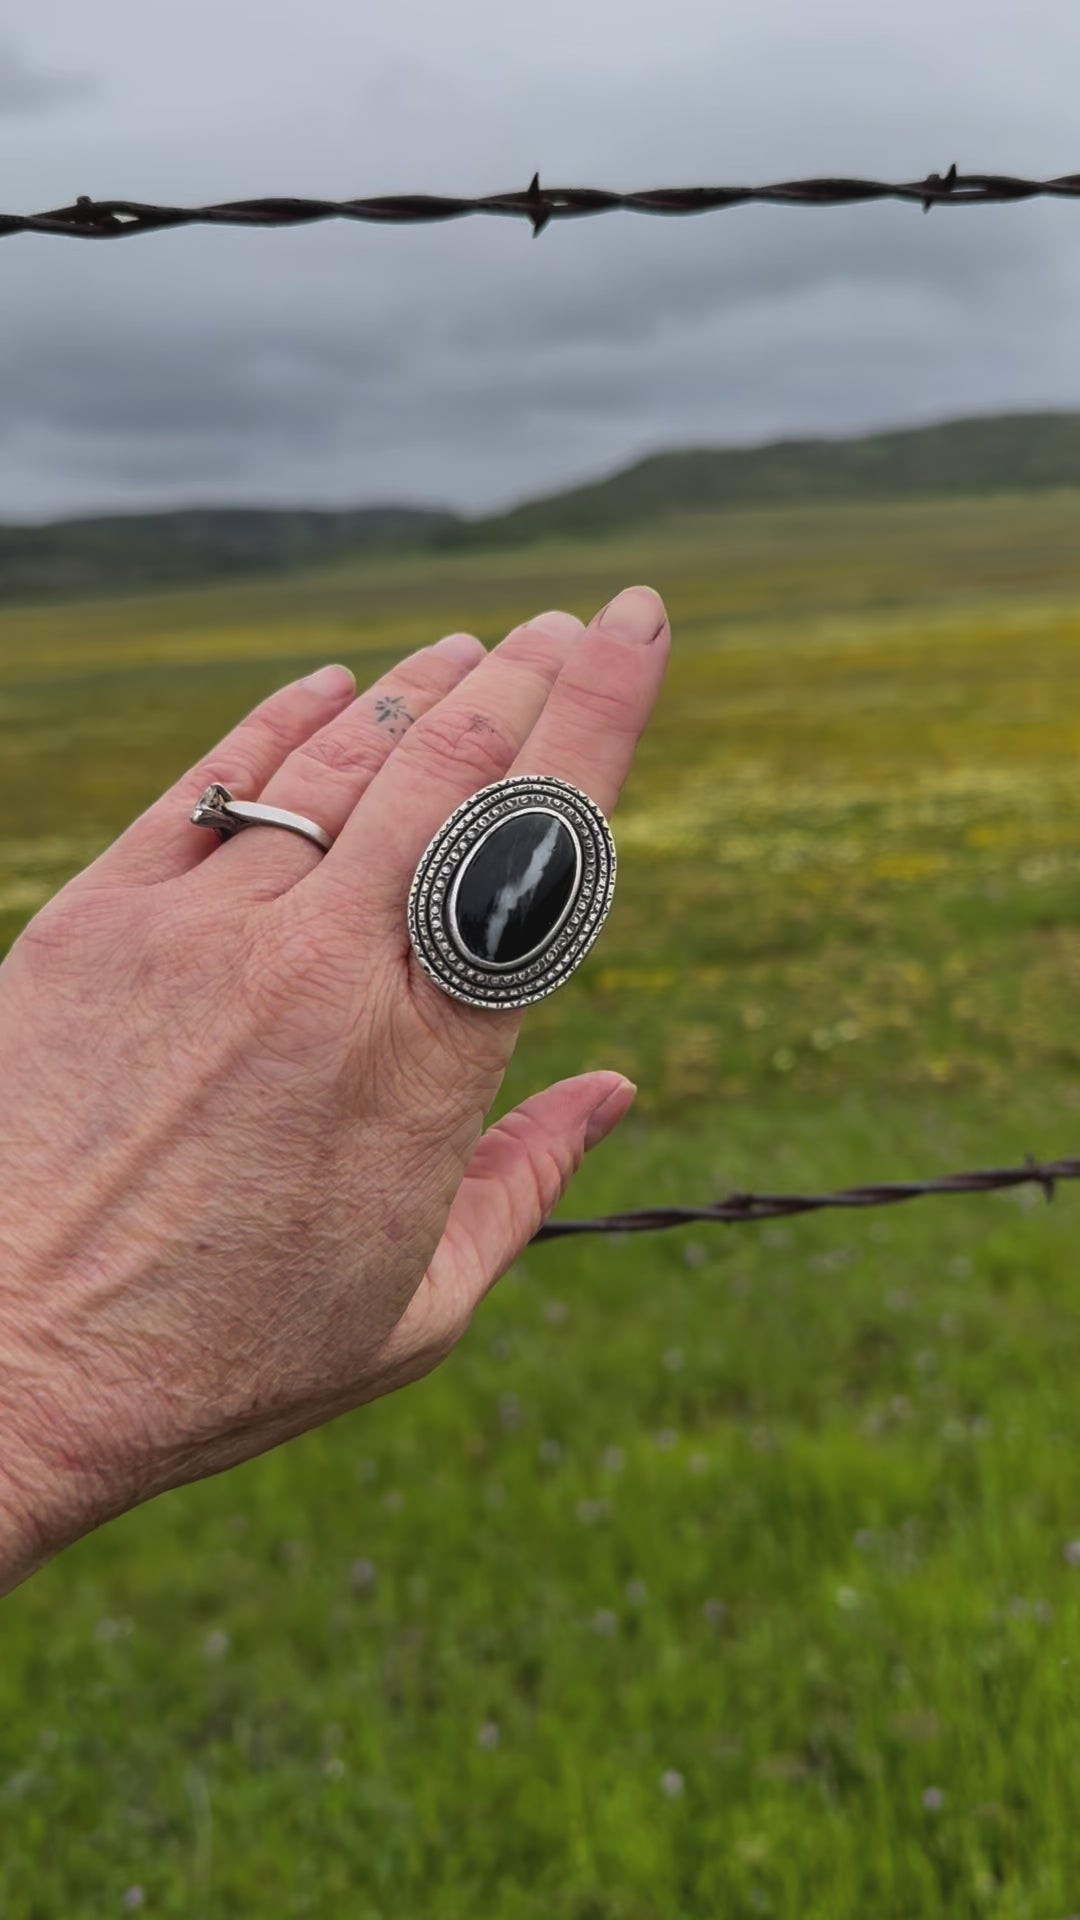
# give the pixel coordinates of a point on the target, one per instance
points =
(26, 88)
(465, 363)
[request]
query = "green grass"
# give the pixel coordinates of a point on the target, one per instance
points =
(720, 1572)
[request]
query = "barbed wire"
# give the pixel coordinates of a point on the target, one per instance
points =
(740, 1207)
(89, 219)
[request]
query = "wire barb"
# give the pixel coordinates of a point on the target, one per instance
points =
(947, 185)
(1045, 1179)
(90, 219)
(540, 212)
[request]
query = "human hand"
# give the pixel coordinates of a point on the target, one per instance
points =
(245, 1182)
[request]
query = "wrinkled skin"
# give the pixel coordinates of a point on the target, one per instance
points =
(245, 1182)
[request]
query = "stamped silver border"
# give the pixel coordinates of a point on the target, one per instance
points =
(533, 976)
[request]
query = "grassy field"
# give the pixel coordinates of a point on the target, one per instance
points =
(725, 1572)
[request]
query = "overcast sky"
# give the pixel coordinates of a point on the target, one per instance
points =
(467, 364)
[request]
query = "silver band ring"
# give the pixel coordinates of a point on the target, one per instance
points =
(216, 808)
(512, 890)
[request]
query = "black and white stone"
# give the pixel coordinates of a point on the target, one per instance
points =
(511, 892)
(515, 889)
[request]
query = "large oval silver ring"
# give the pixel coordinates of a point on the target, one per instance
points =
(512, 890)
(216, 808)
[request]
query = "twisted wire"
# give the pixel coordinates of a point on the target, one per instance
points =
(89, 219)
(739, 1207)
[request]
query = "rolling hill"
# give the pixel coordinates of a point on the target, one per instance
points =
(993, 454)
(117, 552)
(996, 454)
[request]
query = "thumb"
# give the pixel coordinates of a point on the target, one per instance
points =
(517, 1173)
(519, 1170)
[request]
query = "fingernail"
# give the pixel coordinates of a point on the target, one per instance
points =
(464, 649)
(609, 1111)
(331, 683)
(635, 615)
(556, 620)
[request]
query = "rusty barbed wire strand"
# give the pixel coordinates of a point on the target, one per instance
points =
(740, 1207)
(89, 219)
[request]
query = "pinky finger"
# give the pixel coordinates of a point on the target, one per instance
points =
(162, 842)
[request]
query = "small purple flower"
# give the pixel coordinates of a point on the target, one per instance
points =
(933, 1799)
(109, 1630)
(591, 1512)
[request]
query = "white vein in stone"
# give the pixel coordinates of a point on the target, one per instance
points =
(508, 896)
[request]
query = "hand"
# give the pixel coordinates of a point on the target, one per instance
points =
(245, 1183)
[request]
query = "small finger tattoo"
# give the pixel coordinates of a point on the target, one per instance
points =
(390, 710)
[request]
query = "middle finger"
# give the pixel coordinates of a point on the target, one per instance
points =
(467, 740)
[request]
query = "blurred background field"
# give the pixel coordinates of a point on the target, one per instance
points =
(727, 1571)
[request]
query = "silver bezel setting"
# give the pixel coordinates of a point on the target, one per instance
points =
(519, 983)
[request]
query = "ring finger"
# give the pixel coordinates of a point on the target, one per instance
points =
(326, 774)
